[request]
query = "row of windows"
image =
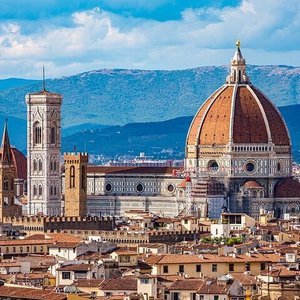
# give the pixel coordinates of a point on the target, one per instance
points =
(38, 165)
(37, 134)
(214, 268)
(21, 249)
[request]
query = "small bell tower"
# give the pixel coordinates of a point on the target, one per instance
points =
(75, 184)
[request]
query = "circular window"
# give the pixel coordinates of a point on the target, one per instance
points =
(250, 167)
(140, 187)
(171, 188)
(108, 187)
(213, 166)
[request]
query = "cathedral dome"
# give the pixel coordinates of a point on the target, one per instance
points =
(20, 163)
(287, 188)
(238, 113)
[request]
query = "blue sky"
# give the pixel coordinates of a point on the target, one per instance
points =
(74, 36)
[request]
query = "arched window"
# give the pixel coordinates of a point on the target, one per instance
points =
(40, 190)
(34, 165)
(54, 190)
(83, 177)
(51, 166)
(40, 165)
(72, 177)
(53, 135)
(37, 133)
(54, 166)
(5, 184)
(34, 190)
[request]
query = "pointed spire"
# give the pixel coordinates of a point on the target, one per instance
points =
(238, 67)
(6, 149)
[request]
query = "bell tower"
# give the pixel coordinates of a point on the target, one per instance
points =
(75, 184)
(7, 177)
(43, 153)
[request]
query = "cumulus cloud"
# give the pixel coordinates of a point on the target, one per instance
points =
(99, 38)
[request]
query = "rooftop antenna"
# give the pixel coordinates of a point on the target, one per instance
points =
(44, 83)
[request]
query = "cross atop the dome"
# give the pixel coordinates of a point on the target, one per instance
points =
(238, 67)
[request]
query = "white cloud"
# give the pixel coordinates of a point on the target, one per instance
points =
(269, 31)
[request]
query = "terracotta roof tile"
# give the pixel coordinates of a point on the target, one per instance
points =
(287, 188)
(76, 267)
(20, 163)
(211, 124)
(252, 184)
(125, 284)
(30, 293)
(187, 284)
(130, 170)
(249, 125)
(88, 282)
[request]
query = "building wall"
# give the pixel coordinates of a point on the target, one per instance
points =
(206, 269)
(31, 247)
(43, 153)
(75, 184)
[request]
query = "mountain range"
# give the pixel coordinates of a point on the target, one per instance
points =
(118, 97)
(98, 104)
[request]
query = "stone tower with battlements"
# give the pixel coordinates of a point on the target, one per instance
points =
(75, 184)
(7, 177)
(43, 153)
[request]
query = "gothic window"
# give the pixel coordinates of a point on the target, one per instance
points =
(40, 165)
(37, 133)
(53, 135)
(34, 165)
(34, 190)
(83, 177)
(72, 177)
(51, 166)
(40, 190)
(51, 190)
(54, 166)
(5, 184)
(54, 190)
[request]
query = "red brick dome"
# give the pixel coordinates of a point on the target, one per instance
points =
(239, 113)
(287, 188)
(20, 163)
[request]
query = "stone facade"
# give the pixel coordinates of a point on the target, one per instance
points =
(113, 190)
(239, 138)
(43, 153)
(75, 184)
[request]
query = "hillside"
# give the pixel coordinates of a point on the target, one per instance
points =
(159, 139)
(113, 97)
